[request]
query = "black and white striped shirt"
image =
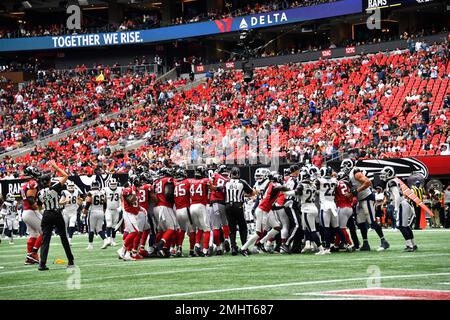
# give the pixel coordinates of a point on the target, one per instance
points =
(49, 197)
(235, 190)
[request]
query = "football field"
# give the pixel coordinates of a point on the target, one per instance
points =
(393, 274)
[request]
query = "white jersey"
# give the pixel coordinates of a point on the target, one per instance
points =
(395, 193)
(113, 197)
(327, 190)
(356, 184)
(98, 200)
(308, 197)
(9, 209)
(72, 206)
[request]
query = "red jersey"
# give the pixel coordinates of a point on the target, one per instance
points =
(199, 191)
(342, 201)
(160, 186)
(144, 195)
(218, 181)
(182, 196)
(269, 198)
(29, 185)
(281, 199)
(132, 208)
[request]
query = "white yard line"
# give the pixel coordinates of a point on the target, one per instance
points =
(267, 259)
(291, 284)
(121, 276)
(353, 296)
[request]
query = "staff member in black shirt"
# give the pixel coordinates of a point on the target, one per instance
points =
(236, 189)
(48, 199)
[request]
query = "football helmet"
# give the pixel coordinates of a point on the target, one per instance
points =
(134, 180)
(326, 172)
(261, 174)
(95, 185)
(347, 165)
(341, 175)
(112, 184)
(70, 186)
(31, 171)
(387, 173)
(305, 176)
(200, 172)
(313, 171)
(10, 197)
(180, 174)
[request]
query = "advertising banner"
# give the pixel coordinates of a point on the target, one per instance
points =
(262, 20)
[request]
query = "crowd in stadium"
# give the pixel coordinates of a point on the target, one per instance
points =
(383, 105)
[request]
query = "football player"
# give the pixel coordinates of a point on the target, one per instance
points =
(95, 210)
(182, 203)
(31, 215)
(328, 212)
(307, 191)
(199, 189)
(344, 203)
(9, 212)
(403, 210)
(293, 211)
(362, 188)
(113, 198)
(163, 212)
(70, 200)
(217, 213)
(145, 195)
(265, 219)
(130, 206)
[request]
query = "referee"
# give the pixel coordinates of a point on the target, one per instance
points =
(48, 199)
(235, 189)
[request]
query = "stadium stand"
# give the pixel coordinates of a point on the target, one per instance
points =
(384, 105)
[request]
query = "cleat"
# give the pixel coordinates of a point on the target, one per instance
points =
(336, 249)
(192, 253)
(350, 249)
(284, 248)
(33, 257)
(415, 248)
(113, 244)
(365, 247)
(385, 244)
(29, 262)
(137, 256)
(105, 244)
(321, 252)
(121, 253)
(234, 251)
(244, 252)
(260, 247)
(226, 245)
(70, 265)
(198, 250)
(219, 252)
(306, 249)
(11, 242)
(128, 257)
(43, 268)
(179, 252)
(144, 254)
(90, 247)
(408, 249)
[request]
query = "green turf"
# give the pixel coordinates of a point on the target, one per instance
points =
(104, 276)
